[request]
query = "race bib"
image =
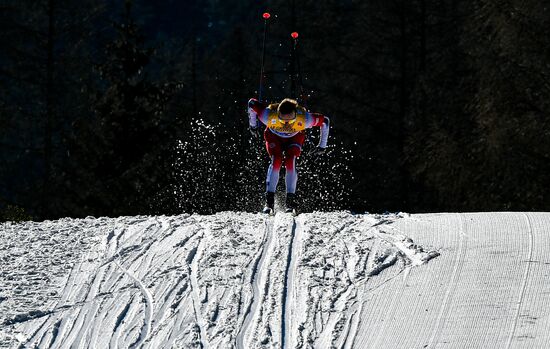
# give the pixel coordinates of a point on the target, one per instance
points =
(287, 126)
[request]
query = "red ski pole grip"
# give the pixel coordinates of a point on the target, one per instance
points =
(266, 15)
(294, 35)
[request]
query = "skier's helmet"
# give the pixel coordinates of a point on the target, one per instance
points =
(287, 106)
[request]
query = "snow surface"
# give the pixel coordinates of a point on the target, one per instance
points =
(241, 280)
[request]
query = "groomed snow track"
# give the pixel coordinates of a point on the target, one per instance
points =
(240, 280)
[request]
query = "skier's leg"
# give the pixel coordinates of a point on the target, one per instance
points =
(275, 151)
(292, 152)
(291, 177)
(273, 173)
(269, 202)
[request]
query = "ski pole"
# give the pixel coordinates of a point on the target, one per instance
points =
(266, 16)
(293, 60)
(295, 57)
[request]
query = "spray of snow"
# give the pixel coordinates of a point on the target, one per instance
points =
(219, 168)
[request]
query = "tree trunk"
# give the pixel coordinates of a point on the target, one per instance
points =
(422, 36)
(403, 102)
(49, 121)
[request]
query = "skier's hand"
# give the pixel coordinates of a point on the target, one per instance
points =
(318, 151)
(255, 132)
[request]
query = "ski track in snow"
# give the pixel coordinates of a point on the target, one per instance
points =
(288, 297)
(460, 259)
(227, 280)
(148, 308)
(258, 277)
(523, 281)
(195, 291)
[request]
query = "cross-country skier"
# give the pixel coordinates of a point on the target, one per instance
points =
(284, 136)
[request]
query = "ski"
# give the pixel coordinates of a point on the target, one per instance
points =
(291, 211)
(271, 212)
(268, 211)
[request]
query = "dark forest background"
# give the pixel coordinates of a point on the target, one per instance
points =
(139, 107)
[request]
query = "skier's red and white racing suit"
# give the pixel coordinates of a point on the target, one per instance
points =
(284, 139)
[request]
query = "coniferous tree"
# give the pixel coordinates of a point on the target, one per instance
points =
(442, 104)
(119, 160)
(45, 76)
(440, 130)
(511, 51)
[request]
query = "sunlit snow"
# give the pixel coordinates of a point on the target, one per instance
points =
(241, 280)
(226, 280)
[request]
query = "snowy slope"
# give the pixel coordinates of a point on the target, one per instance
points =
(239, 280)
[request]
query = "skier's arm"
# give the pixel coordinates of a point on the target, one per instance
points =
(322, 121)
(256, 110)
(325, 127)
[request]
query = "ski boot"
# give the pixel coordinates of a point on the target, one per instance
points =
(269, 203)
(291, 203)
